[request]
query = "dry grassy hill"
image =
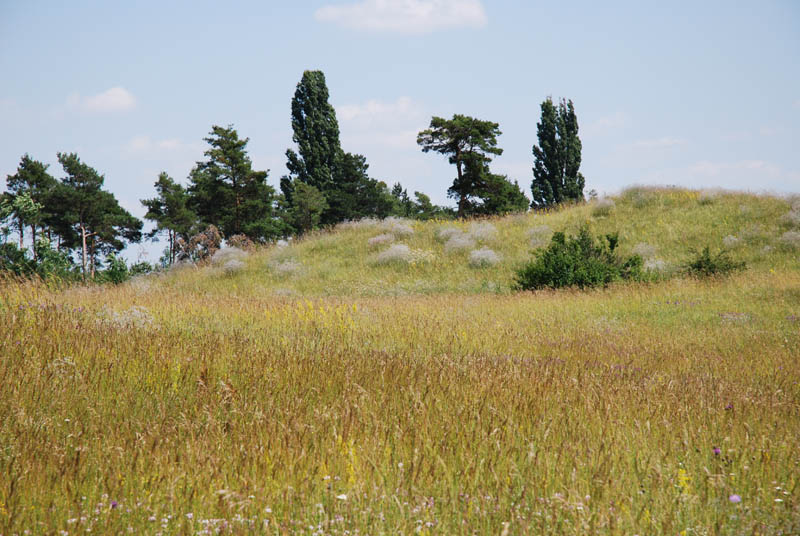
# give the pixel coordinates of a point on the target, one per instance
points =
(323, 388)
(400, 257)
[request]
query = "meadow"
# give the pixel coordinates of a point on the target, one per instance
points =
(350, 384)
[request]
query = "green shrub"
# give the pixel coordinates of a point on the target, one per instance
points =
(704, 264)
(116, 272)
(578, 261)
(13, 260)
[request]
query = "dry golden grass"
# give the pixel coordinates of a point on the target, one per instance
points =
(189, 404)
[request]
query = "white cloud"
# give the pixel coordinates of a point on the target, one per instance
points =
(146, 146)
(115, 99)
(659, 143)
(756, 168)
(742, 175)
(405, 16)
(376, 111)
(375, 122)
(7, 104)
(606, 124)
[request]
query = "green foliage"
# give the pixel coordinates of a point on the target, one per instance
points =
(308, 204)
(116, 271)
(316, 133)
(226, 192)
(578, 261)
(25, 211)
(140, 268)
(557, 156)
(704, 264)
(53, 264)
(6, 210)
(468, 143)
(14, 261)
(170, 211)
(30, 189)
(354, 194)
(500, 196)
(91, 214)
(341, 177)
(418, 208)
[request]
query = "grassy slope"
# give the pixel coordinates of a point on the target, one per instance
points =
(453, 411)
(341, 263)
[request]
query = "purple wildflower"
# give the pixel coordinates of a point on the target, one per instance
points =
(113, 504)
(729, 406)
(735, 498)
(716, 451)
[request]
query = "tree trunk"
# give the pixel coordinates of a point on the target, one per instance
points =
(171, 246)
(21, 233)
(462, 199)
(92, 259)
(33, 233)
(83, 251)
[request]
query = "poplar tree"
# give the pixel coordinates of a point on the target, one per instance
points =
(316, 133)
(341, 177)
(557, 156)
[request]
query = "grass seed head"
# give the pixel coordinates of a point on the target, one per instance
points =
(480, 258)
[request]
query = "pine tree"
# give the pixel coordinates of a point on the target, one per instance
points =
(225, 190)
(557, 156)
(101, 224)
(170, 212)
(308, 204)
(469, 144)
(33, 180)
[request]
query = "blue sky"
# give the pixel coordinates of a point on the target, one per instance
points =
(702, 94)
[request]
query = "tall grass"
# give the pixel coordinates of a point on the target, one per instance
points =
(635, 409)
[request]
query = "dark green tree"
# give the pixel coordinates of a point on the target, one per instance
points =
(468, 143)
(355, 194)
(501, 196)
(404, 206)
(316, 133)
(557, 156)
(350, 193)
(225, 190)
(101, 224)
(170, 211)
(308, 204)
(33, 180)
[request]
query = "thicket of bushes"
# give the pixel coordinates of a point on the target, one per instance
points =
(578, 261)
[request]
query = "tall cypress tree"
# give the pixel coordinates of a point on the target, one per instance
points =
(316, 133)
(557, 156)
(350, 193)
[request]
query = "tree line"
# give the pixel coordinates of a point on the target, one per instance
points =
(76, 218)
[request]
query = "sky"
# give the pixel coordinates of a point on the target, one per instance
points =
(699, 94)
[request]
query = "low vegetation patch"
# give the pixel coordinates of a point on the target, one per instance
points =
(603, 207)
(483, 257)
(578, 261)
(706, 264)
